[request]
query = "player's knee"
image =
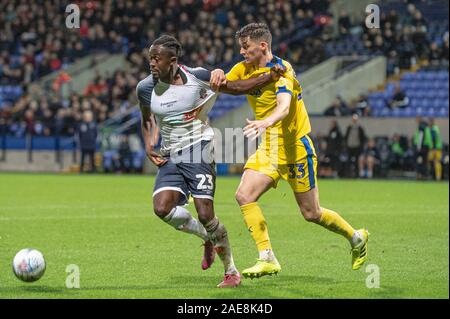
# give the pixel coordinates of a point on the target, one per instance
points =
(243, 198)
(311, 214)
(205, 216)
(162, 209)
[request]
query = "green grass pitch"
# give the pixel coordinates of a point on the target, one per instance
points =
(105, 225)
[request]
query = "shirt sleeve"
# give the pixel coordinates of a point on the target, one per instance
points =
(144, 91)
(235, 73)
(286, 83)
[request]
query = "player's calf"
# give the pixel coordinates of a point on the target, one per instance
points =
(217, 233)
(205, 210)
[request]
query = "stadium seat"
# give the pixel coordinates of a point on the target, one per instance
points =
(379, 104)
(376, 112)
(443, 112)
(385, 112)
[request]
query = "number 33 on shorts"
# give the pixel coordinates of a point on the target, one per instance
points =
(296, 170)
(301, 176)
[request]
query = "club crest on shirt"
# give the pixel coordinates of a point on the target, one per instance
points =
(188, 116)
(256, 93)
(203, 93)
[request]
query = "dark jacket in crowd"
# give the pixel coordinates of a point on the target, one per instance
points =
(361, 135)
(334, 141)
(87, 133)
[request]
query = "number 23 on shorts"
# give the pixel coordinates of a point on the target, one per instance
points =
(206, 182)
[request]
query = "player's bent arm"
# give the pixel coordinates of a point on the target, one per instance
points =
(155, 130)
(150, 133)
(254, 128)
(147, 125)
(237, 87)
(240, 87)
(282, 109)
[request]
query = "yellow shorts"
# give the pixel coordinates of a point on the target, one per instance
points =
(297, 164)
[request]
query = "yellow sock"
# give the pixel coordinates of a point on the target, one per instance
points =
(438, 170)
(256, 225)
(332, 221)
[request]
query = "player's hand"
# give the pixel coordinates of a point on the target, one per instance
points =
(155, 158)
(277, 71)
(217, 79)
(253, 129)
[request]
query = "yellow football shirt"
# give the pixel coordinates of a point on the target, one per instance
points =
(263, 101)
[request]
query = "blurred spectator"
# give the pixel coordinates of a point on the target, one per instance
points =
(435, 55)
(435, 155)
(344, 23)
(355, 139)
(323, 158)
(369, 157)
(124, 154)
(422, 142)
(397, 153)
(337, 108)
(399, 99)
(87, 135)
(335, 143)
(97, 87)
(362, 107)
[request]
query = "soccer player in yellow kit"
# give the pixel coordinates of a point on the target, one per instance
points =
(286, 152)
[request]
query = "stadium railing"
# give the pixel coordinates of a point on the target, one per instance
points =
(356, 77)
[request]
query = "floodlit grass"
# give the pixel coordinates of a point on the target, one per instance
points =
(105, 225)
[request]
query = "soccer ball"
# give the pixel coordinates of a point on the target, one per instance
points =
(29, 265)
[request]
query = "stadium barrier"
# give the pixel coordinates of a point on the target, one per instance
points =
(348, 82)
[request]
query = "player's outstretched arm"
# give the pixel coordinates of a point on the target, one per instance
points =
(219, 81)
(150, 133)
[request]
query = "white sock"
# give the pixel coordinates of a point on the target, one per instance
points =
(356, 238)
(267, 255)
(361, 173)
(369, 174)
(181, 219)
(219, 236)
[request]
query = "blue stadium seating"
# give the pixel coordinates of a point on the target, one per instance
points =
(427, 91)
(224, 104)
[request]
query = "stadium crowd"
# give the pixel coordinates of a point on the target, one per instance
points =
(33, 43)
(351, 153)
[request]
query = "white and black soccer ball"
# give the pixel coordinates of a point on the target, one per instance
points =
(29, 265)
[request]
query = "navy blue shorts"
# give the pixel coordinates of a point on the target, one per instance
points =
(189, 173)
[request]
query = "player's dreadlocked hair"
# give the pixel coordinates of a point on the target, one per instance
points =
(169, 43)
(256, 31)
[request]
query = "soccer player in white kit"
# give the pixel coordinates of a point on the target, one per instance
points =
(179, 98)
